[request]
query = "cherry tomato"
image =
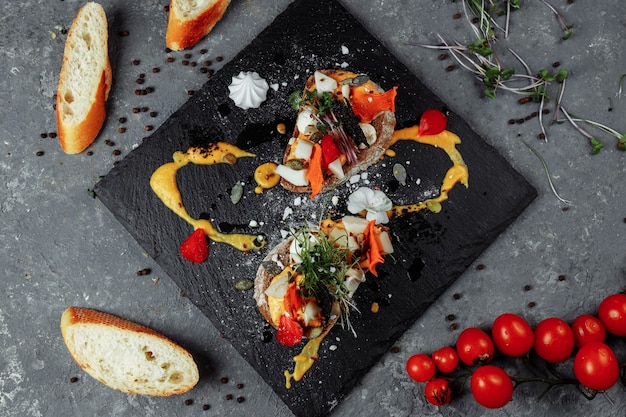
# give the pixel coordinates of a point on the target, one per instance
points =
(512, 335)
(438, 392)
(588, 328)
(446, 359)
(491, 386)
(474, 346)
(420, 367)
(432, 122)
(612, 313)
(554, 340)
(596, 367)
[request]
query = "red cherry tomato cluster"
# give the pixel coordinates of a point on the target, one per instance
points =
(595, 365)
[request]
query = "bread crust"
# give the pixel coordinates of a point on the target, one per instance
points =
(384, 124)
(114, 325)
(184, 32)
(76, 135)
(263, 279)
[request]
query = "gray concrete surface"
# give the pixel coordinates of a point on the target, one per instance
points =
(60, 247)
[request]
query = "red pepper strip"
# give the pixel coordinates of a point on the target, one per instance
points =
(330, 151)
(315, 174)
(373, 247)
(367, 105)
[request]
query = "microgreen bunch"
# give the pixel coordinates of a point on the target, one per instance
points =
(324, 266)
(327, 123)
(481, 58)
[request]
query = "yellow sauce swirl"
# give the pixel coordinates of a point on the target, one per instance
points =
(458, 172)
(163, 183)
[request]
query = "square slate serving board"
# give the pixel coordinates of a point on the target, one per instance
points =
(432, 250)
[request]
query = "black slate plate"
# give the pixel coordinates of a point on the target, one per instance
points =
(432, 250)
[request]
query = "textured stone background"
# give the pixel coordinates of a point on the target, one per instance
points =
(60, 247)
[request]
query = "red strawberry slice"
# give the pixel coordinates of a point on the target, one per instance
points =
(195, 248)
(432, 122)
(289, 331)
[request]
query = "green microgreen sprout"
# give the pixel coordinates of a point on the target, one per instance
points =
(567, 28)
(324, 267)
(548, 176)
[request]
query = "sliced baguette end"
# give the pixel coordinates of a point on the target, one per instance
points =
(127, 356)
(188, 23)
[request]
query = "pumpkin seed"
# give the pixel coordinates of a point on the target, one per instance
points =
(295, 164)
(236, 192)
(271, 267)
(399, 173)
(244, 284)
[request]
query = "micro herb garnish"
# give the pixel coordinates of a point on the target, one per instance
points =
(323, 268)
(481, 59)
(321, 106)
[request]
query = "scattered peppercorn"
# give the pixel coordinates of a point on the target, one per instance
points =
(240, 399)
(219, 58)
(229, 397)
(203, 51)
(145, 271)
(170, 59)
(527, 287)
(454, 326)
(156, 70)
(39, 153)
(224, 380)
(239, 386)
(122, 120)
(395, 349)
(450, 68)
(480, 267)
(52, 135)
(43, 135)
(136, 62)
(136, 110)
(561, 277)
(457, 16)
(147, 128)
(188, 401)
(206, 407)
(121, 129)
(457, 296)
(116, 152)
(153, 114)
(73, 379)
(123, 33)
(532, 304)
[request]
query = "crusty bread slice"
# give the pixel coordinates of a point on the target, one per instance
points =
(191, 20)
(384, 124)
(127, 356)
(85, 80)
(264, 276)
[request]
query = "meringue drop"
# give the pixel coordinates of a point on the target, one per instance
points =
(248, 90)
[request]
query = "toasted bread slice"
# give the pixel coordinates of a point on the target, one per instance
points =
(189, 21)
(85, 80)
(279, 255)
(127, 356)
(384, 125)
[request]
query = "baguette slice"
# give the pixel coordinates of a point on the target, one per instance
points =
(85, 80)
(189, 21)
(127, 356)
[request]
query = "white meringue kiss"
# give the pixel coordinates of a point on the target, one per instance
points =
(248, 90)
